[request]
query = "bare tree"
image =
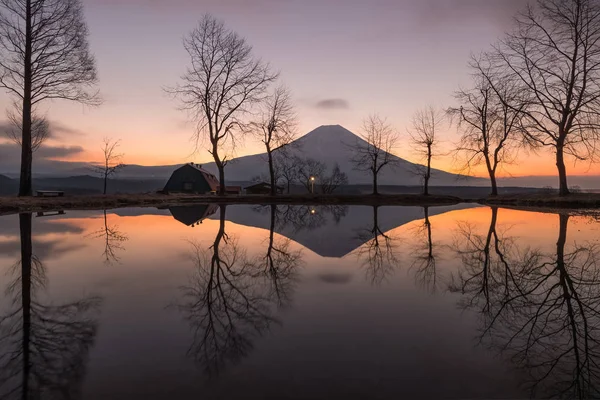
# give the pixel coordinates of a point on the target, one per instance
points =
(113, 241)
(40, 128)
(225, 302)
(45, 345)
(330, 183)
(425, 124)
(378, 254)
(538, 309)
(220, 87)
(112, 161)
(310, 172)
(488, 124)
(44, 55)
(374, 152)
(288, 169)
(277, 127)
(424, 256)
(553, 56)
(280, 263)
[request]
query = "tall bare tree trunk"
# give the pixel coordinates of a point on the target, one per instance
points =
(375, 190)
(494, 183)
(272, 172)
(26, 255)
(221, 178)
(25, 183)
(220, 167)
(562, 240)
(563, 188)
(429, 235)
(428, 173)
(105, 180)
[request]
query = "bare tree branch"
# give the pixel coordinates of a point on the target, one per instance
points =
(489, 119)
(277, 128)
(553, 58)
(423, 137)
(111, 164)
(374, 152)
(220, 88)
(44, 55)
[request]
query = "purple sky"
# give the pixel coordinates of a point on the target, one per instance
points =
(343, 59)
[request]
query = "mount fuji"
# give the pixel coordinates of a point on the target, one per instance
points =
(331, 144)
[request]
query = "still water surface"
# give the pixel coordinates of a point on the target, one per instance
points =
(299, 302)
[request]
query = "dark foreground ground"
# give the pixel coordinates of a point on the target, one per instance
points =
(9, 205)
(545, 199)
(27, 204)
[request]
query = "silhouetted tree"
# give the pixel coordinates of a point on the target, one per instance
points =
(277, 128)
(225, 303)
(40, 128)
(423, 255)
(111, 163)
(44, 347)
(113, 241)
(280, 263)
(301, 218)
(423, 137)
(310, 168)
(489, 125)
(43, 55)
(220, 87)
(377, 255)
(337, 178)
(288, 169)
(553, 57)
(542, 311)
(375, 153)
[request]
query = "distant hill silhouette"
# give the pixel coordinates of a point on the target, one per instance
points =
(84, 184)
(8, 186)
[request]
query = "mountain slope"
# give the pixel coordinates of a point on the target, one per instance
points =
(333, 144)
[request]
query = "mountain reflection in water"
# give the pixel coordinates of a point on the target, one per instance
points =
(283, 301)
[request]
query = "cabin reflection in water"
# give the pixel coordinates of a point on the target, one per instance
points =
(193, 215)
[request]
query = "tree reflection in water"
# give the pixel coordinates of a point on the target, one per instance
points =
(44, 348)
(539, 309)
(377, 255)
(280, 263)
(228, 302)
(301, 218)
(113, 241)
(423, 256)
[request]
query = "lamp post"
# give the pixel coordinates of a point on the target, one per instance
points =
(312, 184)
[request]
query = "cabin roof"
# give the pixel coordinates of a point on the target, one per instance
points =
(212, 180)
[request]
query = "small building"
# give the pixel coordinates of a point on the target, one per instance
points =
(231, 189)
(191, 178)
(193, 215)
(263, 188)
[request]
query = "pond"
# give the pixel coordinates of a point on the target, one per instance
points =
(302, 302)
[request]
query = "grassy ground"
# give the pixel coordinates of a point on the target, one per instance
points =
(9, 205)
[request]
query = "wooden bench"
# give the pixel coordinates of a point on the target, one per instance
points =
(49, 193)
(50, 213)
